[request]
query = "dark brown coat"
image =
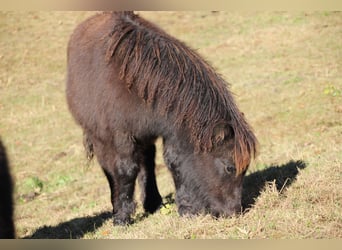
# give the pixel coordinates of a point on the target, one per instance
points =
(128, 83)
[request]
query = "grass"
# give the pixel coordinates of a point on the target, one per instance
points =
(286, 72)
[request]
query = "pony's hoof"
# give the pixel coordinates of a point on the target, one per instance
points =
(119, 221)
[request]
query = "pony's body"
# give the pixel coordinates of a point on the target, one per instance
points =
(129, 83)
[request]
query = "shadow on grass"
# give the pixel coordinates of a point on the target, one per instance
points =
(78, 227)
(73, 229)
(254, 183)
(283, 175)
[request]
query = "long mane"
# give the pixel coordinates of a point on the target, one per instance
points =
(176, 82)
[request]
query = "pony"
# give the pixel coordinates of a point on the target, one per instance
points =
(7, 229)
(128, 83)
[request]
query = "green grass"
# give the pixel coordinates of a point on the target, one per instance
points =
(286, 72)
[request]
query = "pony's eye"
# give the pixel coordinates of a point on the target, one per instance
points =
(230, 169)
(225, 166)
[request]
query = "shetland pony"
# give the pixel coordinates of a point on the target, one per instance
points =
(129, 82)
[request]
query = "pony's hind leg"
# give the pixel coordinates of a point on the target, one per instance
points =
(121, 171)
(150, 195)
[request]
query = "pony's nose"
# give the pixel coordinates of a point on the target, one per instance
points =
(226, 213)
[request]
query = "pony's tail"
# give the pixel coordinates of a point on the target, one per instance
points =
(88, 146)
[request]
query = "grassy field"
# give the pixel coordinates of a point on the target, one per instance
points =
(286, 72)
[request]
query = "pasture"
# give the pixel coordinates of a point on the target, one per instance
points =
(285, 70)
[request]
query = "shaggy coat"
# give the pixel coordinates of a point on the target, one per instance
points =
(128, 83)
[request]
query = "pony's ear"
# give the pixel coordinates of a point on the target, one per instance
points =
(220, 132)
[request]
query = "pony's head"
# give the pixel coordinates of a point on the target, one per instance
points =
(211, 181)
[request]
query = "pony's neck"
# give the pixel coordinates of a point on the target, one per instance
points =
(178, 141)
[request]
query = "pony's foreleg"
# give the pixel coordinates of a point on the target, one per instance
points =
(173, 159)
(150, 195)
(121, 172)
(121, 178)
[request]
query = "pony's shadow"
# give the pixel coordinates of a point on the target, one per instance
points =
(283, 176)
(73, 229)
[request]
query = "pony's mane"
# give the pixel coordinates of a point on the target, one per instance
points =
(177, 83)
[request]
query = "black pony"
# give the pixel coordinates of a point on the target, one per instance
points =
(7, 230)
(128, 83)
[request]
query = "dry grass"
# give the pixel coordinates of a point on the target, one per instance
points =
(286, 72)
